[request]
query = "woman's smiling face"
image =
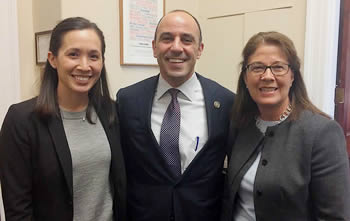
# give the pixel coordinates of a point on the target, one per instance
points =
(79, 62)
(267, 90)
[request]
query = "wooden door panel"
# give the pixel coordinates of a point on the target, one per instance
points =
(342, 106)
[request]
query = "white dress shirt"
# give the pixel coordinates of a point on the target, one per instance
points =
(193, 126)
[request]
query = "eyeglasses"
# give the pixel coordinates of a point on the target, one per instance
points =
(277, 69)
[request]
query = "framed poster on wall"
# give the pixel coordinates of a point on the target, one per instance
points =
(138, 21)
(42, 43)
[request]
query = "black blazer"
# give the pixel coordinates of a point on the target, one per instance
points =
(36, 167)
(303, 174)
(153, 193)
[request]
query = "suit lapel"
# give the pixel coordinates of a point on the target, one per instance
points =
(146, 101)
(58, 136)
(144, 105)
(111, 137)
(117, 160)
(209, 99)
(104, 121)
(247, 141)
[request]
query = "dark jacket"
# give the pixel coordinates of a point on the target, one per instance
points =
(36, 166)
(153, 193)
(303, 173)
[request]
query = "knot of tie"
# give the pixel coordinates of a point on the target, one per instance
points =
(173, 92)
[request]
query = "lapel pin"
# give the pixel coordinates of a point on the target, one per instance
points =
(217, 104)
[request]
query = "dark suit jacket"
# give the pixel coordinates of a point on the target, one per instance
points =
(303, 173)
(36, 167)
(153, 193)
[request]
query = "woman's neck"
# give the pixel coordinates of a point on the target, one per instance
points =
(73, 102)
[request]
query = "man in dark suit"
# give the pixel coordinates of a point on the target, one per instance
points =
(185, 183)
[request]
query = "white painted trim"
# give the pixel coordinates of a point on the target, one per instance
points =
(321, 51)
(9, 56)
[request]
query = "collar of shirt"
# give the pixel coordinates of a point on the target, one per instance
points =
(187, 89)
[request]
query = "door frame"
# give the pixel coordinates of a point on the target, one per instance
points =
(342, 99)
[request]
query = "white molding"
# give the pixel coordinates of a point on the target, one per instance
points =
(9, 56)
(321, 51)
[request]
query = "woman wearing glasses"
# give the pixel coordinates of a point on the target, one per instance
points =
(288, 159)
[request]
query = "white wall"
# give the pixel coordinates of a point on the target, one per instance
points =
(29, 72)
(9, 65)
(46, 14)
(228, 26)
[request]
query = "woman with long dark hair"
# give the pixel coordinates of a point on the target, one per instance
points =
(288, 159)
(60, 155)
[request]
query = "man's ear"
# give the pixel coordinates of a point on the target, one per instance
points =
(154, 49)
(200, 50)
(52, 59)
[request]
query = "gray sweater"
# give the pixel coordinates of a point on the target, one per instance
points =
(91, 159)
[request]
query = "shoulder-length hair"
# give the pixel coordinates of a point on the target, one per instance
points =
(244, 108)
(99, 97)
